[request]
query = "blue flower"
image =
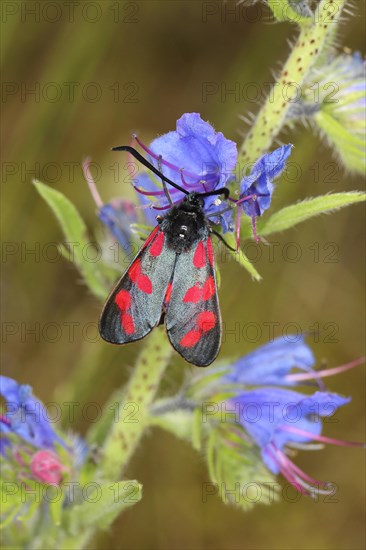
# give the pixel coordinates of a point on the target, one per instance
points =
(26, 417)
(197, 158)
(271, 364)
(256, 189)
(29, 445)
(201, 160)
(276, 418)
(118, 216)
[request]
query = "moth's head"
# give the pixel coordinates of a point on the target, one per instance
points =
(194, 200)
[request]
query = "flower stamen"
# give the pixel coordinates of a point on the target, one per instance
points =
(91, 183)
(321, 438)
(299, 376)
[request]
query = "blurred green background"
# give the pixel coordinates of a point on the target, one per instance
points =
(100, 71)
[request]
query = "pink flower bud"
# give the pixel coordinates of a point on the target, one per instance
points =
(46, 467)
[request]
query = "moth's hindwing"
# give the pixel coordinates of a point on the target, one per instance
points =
(193, 319)
(134, 306)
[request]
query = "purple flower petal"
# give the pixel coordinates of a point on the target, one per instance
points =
(259, 182)
(118, 216)
(265, 413)
(216, 211)
(26, 416)
(269, 364)
(206, 156)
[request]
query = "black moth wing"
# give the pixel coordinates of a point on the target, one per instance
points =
(193, 319)
(134, 306)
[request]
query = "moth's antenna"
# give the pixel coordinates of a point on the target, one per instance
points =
(150, 166)
(222, 191)
(168, 197)
(223, 240)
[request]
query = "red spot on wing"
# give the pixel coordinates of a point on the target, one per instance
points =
(199, 258)
(206, 321)
(127, 323)
(157, 245)
(151, 236)
(193, 294)
(135, 271)
(123, 300)
(209, 289)
(210, 252)
(144, 283)
(168, 293)
(190, 339)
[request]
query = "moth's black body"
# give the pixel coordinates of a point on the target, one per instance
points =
(185, 224)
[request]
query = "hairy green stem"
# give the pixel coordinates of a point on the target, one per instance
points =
(286, 91)
(132, 414)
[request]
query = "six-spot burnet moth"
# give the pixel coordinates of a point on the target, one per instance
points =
(171, 279)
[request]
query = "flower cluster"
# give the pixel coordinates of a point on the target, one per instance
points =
(277, 419)
(54, 489)
(28, 440)
(199, 159)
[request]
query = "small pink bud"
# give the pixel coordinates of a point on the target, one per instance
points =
(46, 467)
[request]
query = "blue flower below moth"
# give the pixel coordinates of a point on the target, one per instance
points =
(276, 418)
(271, 363)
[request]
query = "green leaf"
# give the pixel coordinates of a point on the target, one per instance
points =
(347, 139)
(102, 504)
(238, 474)
(241, 258)
(197, 429)
(109, 273)
(302, 211)
(75, 233)
(177, 422)
(11, 502)
(55, 505)
(210, 455)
